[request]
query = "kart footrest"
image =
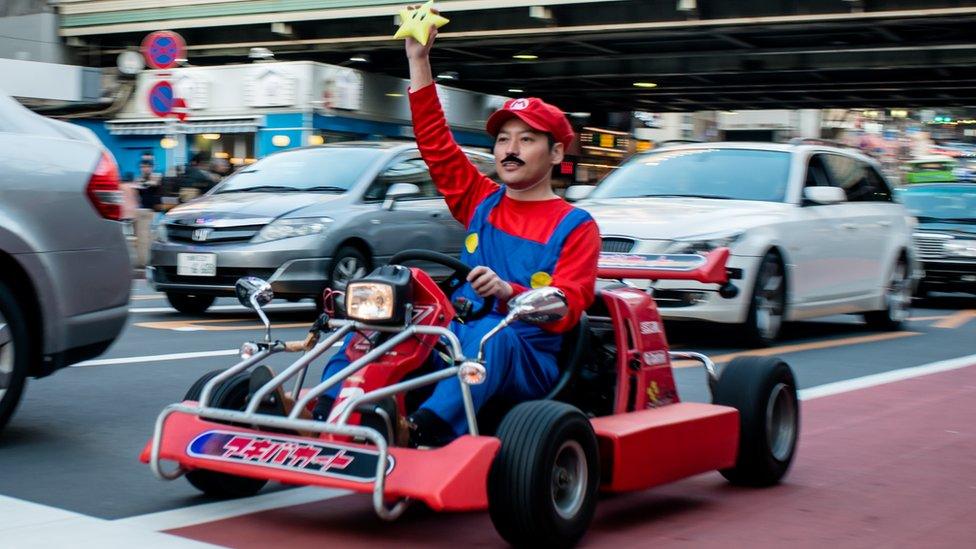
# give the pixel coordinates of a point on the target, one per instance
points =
(660, 445)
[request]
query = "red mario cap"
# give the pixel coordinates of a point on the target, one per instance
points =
(536, 113)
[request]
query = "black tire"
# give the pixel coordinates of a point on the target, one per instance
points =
(526, 502)
(190, 304)
(763, 389)
(767, 304)
(348, 264)
(230, 395)
(15, 353)
(897, 298)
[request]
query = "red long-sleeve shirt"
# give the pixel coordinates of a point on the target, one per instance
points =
(464, 187)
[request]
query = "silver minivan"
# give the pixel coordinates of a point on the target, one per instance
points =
(304, 219)
(65, 271)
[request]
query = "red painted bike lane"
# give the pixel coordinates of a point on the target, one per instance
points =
(887, 466)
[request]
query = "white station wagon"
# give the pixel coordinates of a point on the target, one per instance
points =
(812, 229)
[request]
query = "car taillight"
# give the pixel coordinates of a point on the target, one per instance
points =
(103, 189)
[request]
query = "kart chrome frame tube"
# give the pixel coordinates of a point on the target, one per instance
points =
(278, 422)
(299, 365)
(233, 370)
(706, 362)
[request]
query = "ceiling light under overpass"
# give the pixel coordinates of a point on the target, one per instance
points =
(516, 90)
(645, 85)
(449, 75)
(359, 58)
(525, 56)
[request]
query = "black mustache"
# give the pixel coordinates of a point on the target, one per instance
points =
(513, 158)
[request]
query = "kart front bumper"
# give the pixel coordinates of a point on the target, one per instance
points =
(451, 478)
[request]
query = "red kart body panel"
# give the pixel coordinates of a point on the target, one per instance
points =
(451, 478)
(651, 447)
(644, 378)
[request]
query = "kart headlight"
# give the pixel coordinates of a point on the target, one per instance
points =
(702, 244)
(289, 228)
(961, 248)
(381, 297)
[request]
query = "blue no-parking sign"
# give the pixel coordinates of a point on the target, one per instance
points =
(162, 49)
(161, 98)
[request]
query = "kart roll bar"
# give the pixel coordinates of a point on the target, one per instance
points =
(709, 269)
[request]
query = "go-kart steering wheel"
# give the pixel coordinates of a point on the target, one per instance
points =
(456, 279)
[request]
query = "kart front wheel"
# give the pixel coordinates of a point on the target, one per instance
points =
(763, 389)
(229, 395)
(543, 483)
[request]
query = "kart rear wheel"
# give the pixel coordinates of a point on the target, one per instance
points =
(229, 395)
(763, 389)
(543, 483)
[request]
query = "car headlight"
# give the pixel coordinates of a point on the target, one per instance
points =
(159, 233)
(702, 244)
(289, 228)
(962, 248)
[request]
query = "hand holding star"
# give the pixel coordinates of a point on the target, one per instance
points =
(416, 22)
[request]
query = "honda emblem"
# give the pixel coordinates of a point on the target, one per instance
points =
(199, 235)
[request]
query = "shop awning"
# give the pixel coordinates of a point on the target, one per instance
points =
(247, 124)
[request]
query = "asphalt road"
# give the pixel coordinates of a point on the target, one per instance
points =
(74, 442)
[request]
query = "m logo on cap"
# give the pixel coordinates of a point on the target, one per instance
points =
(518, 104)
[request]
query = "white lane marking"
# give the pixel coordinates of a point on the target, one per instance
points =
(154, 358)
(161, 358)
(883, 378)
(24, 524)
(219, 510)
(272, 306)
(189, 516)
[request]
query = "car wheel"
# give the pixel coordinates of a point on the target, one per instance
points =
(348, 265)
(767, 305)
(190, 304)
(14, 353)
(229, 395)
(763, 389)
(897, 300)
(543, 483)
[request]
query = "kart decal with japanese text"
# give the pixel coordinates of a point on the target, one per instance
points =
(329, 460)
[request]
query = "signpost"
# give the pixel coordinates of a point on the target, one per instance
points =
(165, 50)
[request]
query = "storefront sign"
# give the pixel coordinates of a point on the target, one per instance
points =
(270, 87)
(342, 88)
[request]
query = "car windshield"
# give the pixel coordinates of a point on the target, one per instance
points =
(737, 174)
(307, 170)
(950, 204)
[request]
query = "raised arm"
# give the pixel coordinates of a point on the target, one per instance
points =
(462, 185)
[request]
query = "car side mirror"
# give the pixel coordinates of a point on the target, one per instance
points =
(255, 293)
(398, 191)
(578, 192)
(823, 195)
(539, 306)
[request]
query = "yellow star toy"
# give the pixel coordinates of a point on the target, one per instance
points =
(417, 22)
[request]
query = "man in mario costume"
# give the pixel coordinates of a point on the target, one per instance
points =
(520, 235)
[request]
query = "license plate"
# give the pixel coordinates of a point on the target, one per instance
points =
(196, 264)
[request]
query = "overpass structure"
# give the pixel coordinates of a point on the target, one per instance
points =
(594, 55)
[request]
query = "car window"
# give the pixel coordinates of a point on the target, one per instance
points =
(321, 169)
(858, 179)
(413, 170)
(738, 174)
(816, 173)
(940, 203)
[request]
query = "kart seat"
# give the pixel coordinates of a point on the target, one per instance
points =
(570, 358)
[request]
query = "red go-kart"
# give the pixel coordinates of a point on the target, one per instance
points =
(613, 422)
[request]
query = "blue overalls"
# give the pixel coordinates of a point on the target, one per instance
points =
(521, 359)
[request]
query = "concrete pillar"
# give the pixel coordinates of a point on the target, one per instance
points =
(143, 230)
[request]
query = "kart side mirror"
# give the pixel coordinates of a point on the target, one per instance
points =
(539, 306)
(398, 191)
(578, 192)
(255, 293)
